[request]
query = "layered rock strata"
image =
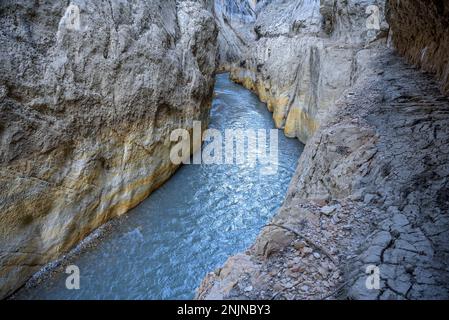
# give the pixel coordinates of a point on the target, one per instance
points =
(421, 33)
(369, 198)
(304, 56)
(370, 191)
(89, 95)
(235, 19)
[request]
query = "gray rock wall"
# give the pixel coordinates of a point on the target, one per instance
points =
(371, 188)
(303, 56)
(88, 97)
(420, 31)
(234, 19)
(370, 191)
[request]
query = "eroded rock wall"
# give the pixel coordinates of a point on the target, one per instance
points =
(305, 55)
(89, 95)
(234, 19)
(370, 193)
(421, 33)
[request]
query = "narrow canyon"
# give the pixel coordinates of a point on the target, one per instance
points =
(91, 91)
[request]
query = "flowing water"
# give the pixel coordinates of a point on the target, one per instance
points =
(163, 248)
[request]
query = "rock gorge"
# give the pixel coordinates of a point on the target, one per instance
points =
(370, 191)
(299, 56)
(90, 91)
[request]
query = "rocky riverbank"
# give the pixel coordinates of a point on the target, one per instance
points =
(89, 95)
(301, 56)
(371, 187)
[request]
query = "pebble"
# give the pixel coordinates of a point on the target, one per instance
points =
(335, 219)
(297, 269)
(327, 210)
(316, 255)
(322, 271)
(409, 268)
(326, 266)
(278, 287)
(368, 198)
(248, 289)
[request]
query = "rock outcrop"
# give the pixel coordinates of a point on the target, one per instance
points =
(304, 56)
(369, 197)
(89, 95)
(234, 18)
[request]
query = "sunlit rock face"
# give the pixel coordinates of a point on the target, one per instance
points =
(89, 95)
(369, 196)
(420, 31)
(235, 19)
(303, 55)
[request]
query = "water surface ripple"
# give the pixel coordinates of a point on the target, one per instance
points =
(163, 248)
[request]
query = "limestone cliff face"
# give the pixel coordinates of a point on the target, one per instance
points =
(235, 19)
(88, 96)
(305, 55)
(421, 33)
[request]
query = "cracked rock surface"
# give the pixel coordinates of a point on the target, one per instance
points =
(299, 56)
(371, 189)
(89, 95)
(421, 33)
